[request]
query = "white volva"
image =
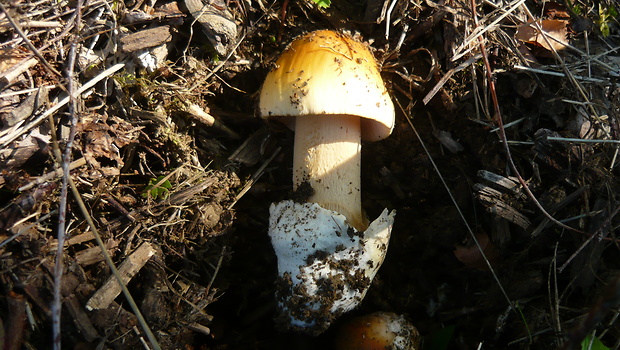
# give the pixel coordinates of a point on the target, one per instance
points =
(325, 266)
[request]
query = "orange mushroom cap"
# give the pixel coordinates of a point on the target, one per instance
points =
(328, 73)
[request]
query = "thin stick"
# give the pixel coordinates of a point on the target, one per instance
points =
(51, 175)
(25, 229)
(568, 139)
(36, 24)
(78, 198)
(254, 178)
(599, 234)
(62, 205)
(558, 74)
(447, 76)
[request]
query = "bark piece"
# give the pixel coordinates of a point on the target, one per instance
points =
(252, 149)
(146, 38)
(33, 102)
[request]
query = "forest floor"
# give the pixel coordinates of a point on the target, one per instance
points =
(502, 169)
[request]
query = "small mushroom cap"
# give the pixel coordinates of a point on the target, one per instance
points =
(328, 73)
(378, 331)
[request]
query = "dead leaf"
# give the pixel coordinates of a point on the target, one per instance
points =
(554, 10)
(472, 257)
(555, 31)
(19, 152)
(102, 140)
(9, 58)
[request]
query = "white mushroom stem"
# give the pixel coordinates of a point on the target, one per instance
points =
(327, 155)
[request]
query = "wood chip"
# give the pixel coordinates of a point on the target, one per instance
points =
(146, 38)
(494, 203)
(94, 255)
(129, 268)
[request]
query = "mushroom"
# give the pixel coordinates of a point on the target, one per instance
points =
(378, 331)
(328, 88)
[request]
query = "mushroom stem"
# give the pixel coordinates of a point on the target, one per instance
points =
(327, 155)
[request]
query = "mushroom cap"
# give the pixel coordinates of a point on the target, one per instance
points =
(328, 73)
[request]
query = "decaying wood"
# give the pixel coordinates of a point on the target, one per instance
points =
(146, 38)
(81, 238)
(158, 115)
(492, 194)
(129, 268)
(501, 183)
(93, 255)
(80, 318)
(494, 203)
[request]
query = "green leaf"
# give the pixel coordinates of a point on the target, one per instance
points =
(604, 26)
(323, 3)
(596, 344)
(157, 192)
(613, 12)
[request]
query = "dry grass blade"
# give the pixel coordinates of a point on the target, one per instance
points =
(466, 47)
(254, 178)
(429, 96)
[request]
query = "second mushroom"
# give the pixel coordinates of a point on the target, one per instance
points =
(327, 87)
